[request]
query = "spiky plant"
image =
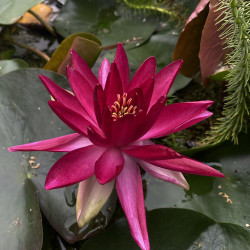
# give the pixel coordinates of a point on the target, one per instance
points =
(235, 19)
(174, 10)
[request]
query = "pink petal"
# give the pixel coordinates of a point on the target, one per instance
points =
(146, 88)
(82, 67)
(113, 85)
(130, 193)
(61, 95)
(96, 138)
(178, 116)
(174, 177)
(170, 159)
(107, 121)
(73, 167)
(82, 90)
(128, 128)
(121, 61)
(151, 152)
(91, 197)
(164, 80)
(64, 143)
(146, 70)
(211, 46)
(69, 117)
(103, 72)
(187, 165)
(152, 116)
(109, 165)
(202, 116)
(99, 103)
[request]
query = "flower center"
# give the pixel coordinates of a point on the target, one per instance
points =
(122, 106)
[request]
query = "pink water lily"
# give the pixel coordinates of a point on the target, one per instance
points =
(114, 118)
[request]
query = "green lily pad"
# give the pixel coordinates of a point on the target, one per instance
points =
(220, 76)
(224, 200)
(86, 45)
(12, 10)
(7, 54)
(213, 214)
(26, 117)
(7, 66)
(173, 228)
(108, 20)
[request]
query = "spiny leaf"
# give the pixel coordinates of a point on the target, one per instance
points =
(235, 20)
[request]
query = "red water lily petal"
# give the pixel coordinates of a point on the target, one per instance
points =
(174, 177)
(61, 95)
(130, 193)
(127, 128)
(109, 165)
(96, 138)
(152, 152)
(107, 121)
(82, 67)
(82, 90)
(69, 117)
(64, 143)
(73, 167)
(152, 116)
(113, 85)
(99, 103)
(165, 157)
(103, 72)
(121, 61)
(164, 80)
(144, 93)
(178, 116)
(186, 165)
(146, 71)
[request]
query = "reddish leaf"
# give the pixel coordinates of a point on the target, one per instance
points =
(188, 45)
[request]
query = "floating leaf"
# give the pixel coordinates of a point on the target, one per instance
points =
(26, 117)
(104, 19)
(188, 45)
(12, 10)
(174, 228)
(42, 10)
(211, 48)
(86, 45)
(7, 66)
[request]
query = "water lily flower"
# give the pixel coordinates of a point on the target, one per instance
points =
(114, 119)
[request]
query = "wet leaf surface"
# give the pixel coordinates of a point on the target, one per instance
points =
(173, 228)
(213, 214)
(11, 10)
(26, 117)
(86, 45)
(7, 66)
(104, 19)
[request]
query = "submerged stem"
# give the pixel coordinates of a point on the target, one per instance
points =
(45, 24)
(34, 50)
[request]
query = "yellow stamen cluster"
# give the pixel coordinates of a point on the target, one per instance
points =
(122, 107)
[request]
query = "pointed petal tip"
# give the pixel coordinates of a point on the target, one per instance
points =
(72, 52)
(12, 149)
(219, 174)
(120, 45)
(41, 77)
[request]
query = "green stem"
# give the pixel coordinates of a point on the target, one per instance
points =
(45, 24)
(34, 50)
